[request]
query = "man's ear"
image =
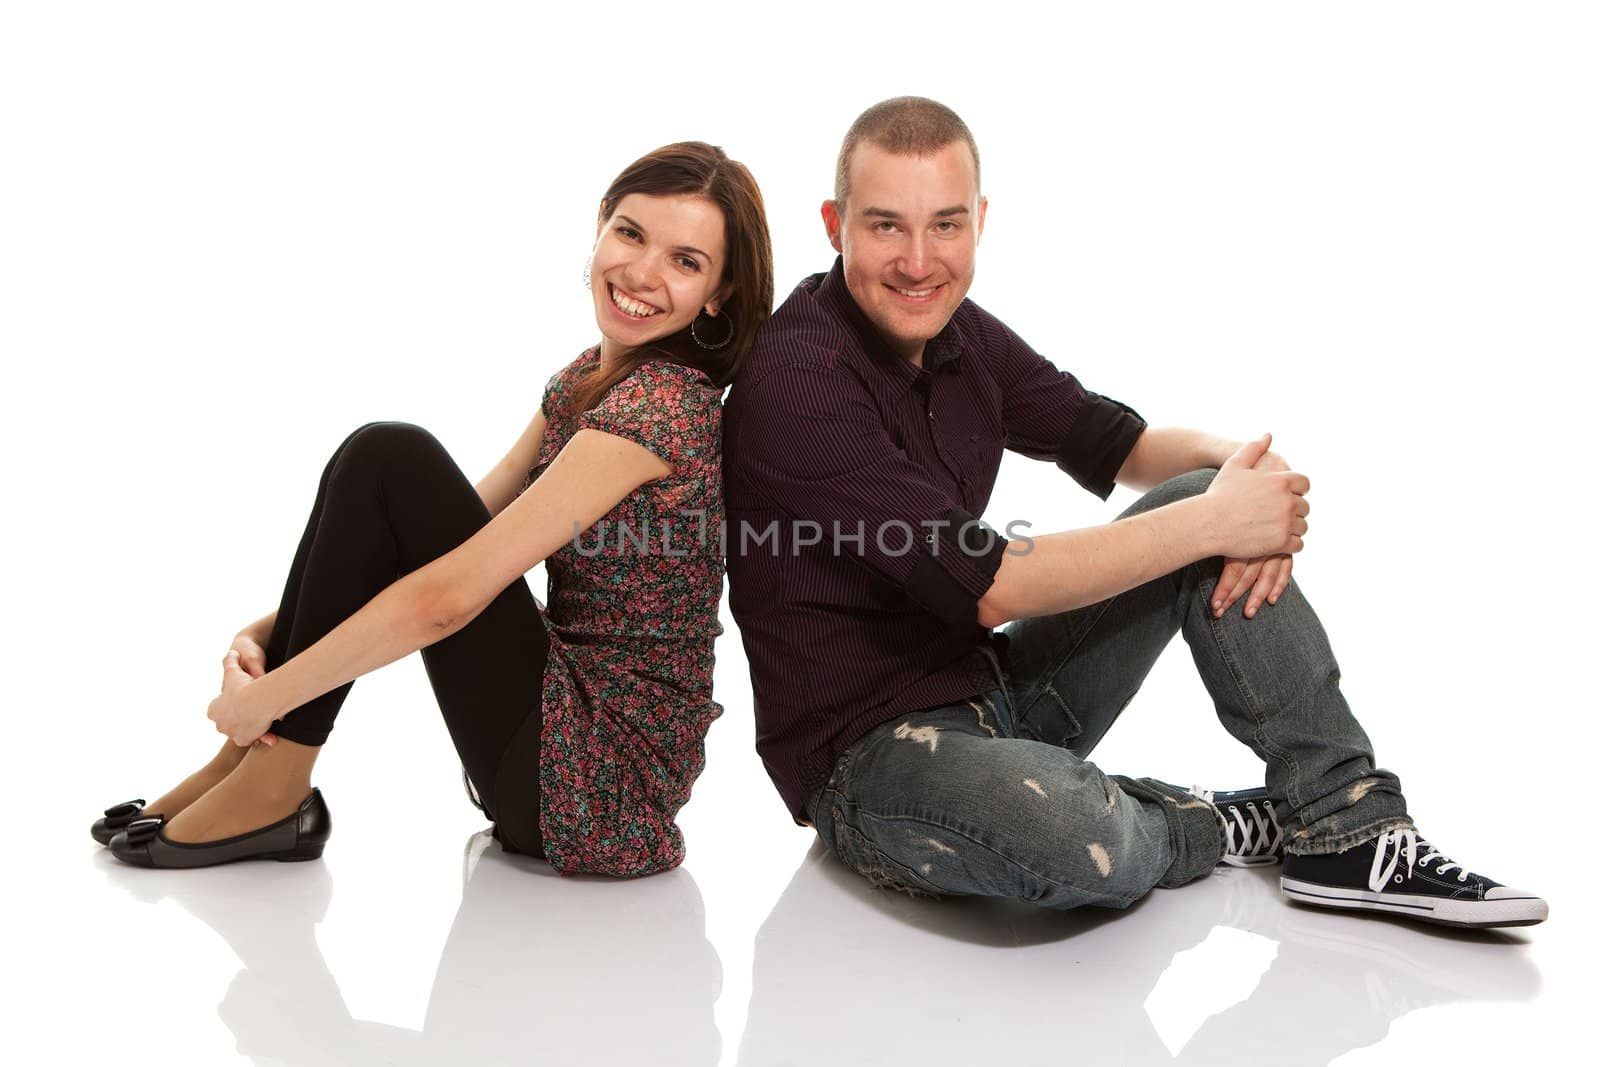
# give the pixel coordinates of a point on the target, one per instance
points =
(983, 211)
(831, 221)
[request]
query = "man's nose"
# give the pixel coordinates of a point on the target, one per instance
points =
(916, 261)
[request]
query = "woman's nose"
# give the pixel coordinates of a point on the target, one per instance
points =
(642, 273)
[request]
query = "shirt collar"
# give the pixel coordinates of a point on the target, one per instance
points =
(942, 350)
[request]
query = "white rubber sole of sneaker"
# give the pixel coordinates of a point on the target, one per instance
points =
(1513, 911)
(1249, 861)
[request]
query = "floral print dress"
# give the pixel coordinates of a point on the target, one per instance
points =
(632, 617)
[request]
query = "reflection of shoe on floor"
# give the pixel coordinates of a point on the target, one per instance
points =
(1251, 836)
(1399, 873)
(1401, 968)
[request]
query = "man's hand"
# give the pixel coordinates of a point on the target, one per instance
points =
(1266, 577)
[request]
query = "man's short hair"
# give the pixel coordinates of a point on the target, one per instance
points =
(904, 126)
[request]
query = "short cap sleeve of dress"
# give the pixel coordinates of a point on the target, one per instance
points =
(661, 406)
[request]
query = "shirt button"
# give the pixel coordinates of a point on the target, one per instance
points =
(929, 539)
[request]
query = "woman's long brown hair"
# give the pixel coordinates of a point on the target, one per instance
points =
(695, 168)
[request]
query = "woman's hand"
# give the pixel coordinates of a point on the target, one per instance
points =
(252, 657)
(234, 711)
(253, 661)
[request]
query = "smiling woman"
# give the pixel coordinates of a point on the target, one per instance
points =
(581, 727)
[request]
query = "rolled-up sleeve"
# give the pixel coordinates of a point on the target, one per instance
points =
(818, 447)
(1048, 415)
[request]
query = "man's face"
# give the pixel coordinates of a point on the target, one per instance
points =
(909, 236)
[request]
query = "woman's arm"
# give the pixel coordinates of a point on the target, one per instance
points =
(593, 473)
(499, 487)
(260, 631)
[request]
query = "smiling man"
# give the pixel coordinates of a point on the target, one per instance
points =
(936, 755)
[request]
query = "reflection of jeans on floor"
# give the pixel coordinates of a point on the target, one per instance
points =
(995, 797)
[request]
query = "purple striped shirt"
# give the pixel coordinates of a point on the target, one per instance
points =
(852, 482)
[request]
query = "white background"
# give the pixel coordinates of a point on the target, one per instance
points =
(230, 233)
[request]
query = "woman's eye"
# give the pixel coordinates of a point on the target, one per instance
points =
(629, 232)
(688, 263)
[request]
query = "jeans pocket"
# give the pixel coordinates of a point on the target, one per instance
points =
(1047, 718)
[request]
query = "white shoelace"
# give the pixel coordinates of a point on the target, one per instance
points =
(1396, 843)
(1249, 832)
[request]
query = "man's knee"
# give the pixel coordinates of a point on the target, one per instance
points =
(1189, 484)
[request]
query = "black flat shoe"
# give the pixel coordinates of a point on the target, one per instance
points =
(299, 836)
(117, 818)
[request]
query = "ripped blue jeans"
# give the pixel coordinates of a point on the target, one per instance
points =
(995, 795)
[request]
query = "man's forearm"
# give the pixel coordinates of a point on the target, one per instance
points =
(1168, 451)
(1063, 571)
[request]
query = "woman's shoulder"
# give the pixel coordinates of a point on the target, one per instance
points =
(673, 410)
(563, 381)
(661, 386)
(667, 374)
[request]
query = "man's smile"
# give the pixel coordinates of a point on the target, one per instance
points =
(917, 296)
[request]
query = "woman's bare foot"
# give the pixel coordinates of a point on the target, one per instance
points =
(195, 786)
(267, 785)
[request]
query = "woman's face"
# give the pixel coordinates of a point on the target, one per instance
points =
(658, 261)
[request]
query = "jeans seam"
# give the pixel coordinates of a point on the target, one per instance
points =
(1022, 711)
(1218, 633)
(923, 820)
(986, 723)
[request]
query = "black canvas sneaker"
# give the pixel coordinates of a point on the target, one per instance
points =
(1400, 873)
(1251, 836)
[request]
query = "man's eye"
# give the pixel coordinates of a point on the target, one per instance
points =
(884, 227)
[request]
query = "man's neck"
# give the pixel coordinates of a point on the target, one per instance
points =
(910, 351)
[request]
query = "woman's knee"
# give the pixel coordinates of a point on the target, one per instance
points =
(376, 444)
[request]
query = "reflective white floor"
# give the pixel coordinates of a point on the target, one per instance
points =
(420, 942)
(536, 968)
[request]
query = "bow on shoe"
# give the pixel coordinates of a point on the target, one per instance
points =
(120, 814)
(142, 831)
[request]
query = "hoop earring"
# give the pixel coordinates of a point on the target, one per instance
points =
(720, 344)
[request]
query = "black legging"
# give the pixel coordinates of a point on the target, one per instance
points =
(391, 499)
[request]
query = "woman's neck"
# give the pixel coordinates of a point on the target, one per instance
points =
(612, 353)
